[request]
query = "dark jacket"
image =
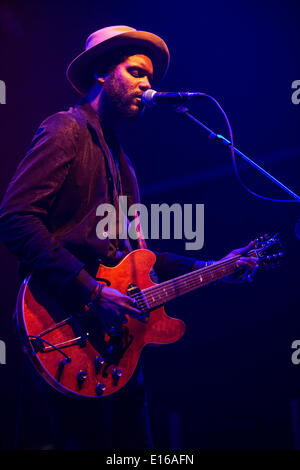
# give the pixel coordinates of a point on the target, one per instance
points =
(48, 214)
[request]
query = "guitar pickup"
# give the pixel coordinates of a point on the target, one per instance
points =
(141, 303)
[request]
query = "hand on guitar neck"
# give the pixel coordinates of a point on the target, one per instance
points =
(246, 265)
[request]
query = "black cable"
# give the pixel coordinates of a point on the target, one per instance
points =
(50, 344)
(231, 146)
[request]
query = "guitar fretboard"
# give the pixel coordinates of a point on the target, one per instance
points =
(160, 294)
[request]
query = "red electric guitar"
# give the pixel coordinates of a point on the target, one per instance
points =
(77, 359)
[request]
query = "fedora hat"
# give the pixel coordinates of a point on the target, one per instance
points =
(99, 44)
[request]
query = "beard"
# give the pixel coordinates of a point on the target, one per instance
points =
(119, 101)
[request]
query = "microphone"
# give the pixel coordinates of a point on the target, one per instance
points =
(151, 97)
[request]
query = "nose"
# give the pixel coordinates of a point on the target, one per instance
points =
(145, 84)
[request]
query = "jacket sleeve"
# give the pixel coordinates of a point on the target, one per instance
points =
(170, 265)
(24, 212)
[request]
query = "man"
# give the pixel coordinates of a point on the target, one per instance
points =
(48, 216)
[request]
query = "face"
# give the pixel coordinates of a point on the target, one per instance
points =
(125, 84)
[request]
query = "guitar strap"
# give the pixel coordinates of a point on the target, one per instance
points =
(143, 245)
(140, 235)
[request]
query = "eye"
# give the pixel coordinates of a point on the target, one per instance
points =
(135, 72)
(139, 72)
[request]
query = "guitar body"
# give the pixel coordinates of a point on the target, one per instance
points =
(71, 351)
(93, 364)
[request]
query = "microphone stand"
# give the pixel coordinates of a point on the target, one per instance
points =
(222, 140)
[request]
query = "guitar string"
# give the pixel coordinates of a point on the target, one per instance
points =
(153, 294)
(193, 276)
(171, 285)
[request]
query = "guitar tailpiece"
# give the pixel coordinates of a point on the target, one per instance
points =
(38, 339)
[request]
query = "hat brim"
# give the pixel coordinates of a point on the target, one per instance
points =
(80, 72)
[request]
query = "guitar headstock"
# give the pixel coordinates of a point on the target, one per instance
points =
(269, 250)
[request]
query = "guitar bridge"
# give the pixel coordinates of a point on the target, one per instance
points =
(141, 303)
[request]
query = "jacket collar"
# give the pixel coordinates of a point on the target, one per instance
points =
(91, 119)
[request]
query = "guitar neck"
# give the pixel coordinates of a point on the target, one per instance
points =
(162, 293)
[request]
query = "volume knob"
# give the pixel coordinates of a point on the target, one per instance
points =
(81, 377)
(99, 361)
(116, 374)
(100, 389)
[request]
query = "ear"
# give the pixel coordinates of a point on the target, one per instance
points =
(99, 79)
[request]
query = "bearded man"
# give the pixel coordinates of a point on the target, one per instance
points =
(48, 219)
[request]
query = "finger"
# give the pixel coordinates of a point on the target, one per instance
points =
(116, 324)
(244, 249)
(245, 278)
(129, 304)
(248, 263)
(252, 274)
(250, 244)
(125, 309)
(242, 264)
(129, 300)
(133, 312)
(114, 330)
(252, 264)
